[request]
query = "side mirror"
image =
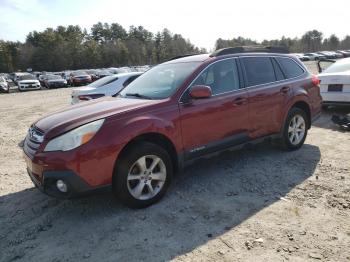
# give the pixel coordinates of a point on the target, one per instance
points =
(200, 91)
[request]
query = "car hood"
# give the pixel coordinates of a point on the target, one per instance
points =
(73, 116)
(81, 76)
(28, 81)
(56, 81)
(335, 78)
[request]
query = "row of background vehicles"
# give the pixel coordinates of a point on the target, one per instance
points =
(96, 82)
(316, 56)
(334, 74)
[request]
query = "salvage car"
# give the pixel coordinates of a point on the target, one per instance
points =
(173, 114)
(4, 86)
(54, 81)
(314, 56)
(106, 86)
(335, 82)
(26, 81)
(78, 78)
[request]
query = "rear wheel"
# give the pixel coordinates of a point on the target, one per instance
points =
(142, 175)
(295, 129)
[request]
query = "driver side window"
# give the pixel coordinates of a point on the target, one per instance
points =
(222, 77)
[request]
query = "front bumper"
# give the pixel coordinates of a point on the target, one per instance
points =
(47, 185)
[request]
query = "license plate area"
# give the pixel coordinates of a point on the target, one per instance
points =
(335, 88)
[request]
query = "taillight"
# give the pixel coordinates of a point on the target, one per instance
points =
(315, 80)
(89, 97)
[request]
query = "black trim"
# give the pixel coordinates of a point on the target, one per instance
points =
(250, 49)
(335, 103)
(76, 185)
(217, 146)
(233, 148)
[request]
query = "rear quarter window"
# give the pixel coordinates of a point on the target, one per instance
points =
(290, 68)
(258, 70)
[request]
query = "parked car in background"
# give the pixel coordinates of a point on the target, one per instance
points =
(115, 70)
(314, 56)
(335, 83)
(93, 73)
(54, 81)
(173, 114)
(302, 57)
(343, 53)
(107, 86)
(328, 55)
(78, 78)
(4, 86)
(27, 81)
(103, 73)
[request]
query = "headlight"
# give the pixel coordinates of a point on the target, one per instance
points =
(75, 137)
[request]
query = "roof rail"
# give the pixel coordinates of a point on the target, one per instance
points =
(180, 56)
(250, 49)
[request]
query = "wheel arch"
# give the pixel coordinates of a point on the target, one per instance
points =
(154, 138)
(306, 108)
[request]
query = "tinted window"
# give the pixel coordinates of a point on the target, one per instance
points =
(258, 70)
(278, 71)
(221, 77)
(129, 80)
(290, 67)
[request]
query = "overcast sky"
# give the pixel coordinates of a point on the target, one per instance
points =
(200, 21)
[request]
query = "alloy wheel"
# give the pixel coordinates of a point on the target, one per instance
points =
(146, 177)
(296, 129)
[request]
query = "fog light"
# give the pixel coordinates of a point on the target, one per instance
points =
(61, 186)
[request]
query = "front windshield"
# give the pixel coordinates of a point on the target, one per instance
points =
(79, 73)
(103, 81)
(27, 77)
(54, 77)
(340, 66)
(161, 81)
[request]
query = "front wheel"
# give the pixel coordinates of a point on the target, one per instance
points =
(295, 129)
(142, 175)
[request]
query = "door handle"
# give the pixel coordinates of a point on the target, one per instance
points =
(284, 89)
(239, 101)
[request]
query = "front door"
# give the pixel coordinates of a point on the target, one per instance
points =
(217, 122)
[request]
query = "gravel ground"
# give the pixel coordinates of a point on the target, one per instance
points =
(250, 205)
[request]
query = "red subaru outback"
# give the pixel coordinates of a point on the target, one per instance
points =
(173, 114)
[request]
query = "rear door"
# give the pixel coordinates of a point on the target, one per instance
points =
(267, 94)
(217, 122)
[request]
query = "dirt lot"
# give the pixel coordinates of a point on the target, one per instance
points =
(260, 204)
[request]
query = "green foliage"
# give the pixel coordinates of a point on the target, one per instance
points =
(311, 41)
(107, 45)
(110, 45)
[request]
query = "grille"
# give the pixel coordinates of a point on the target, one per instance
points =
(33, 140)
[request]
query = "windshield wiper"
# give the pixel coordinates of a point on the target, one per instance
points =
(138, 95)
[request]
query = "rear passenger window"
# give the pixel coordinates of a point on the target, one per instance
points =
(258, 70)
(222, 77)
(290, 67)
(278, 71)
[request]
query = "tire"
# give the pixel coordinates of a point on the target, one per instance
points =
(288, 141)
(132, 184)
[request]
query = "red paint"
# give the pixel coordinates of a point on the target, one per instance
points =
(254, 111)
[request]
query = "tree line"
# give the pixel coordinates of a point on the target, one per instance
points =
(111, 45)
(106, 45)
(311, 41)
